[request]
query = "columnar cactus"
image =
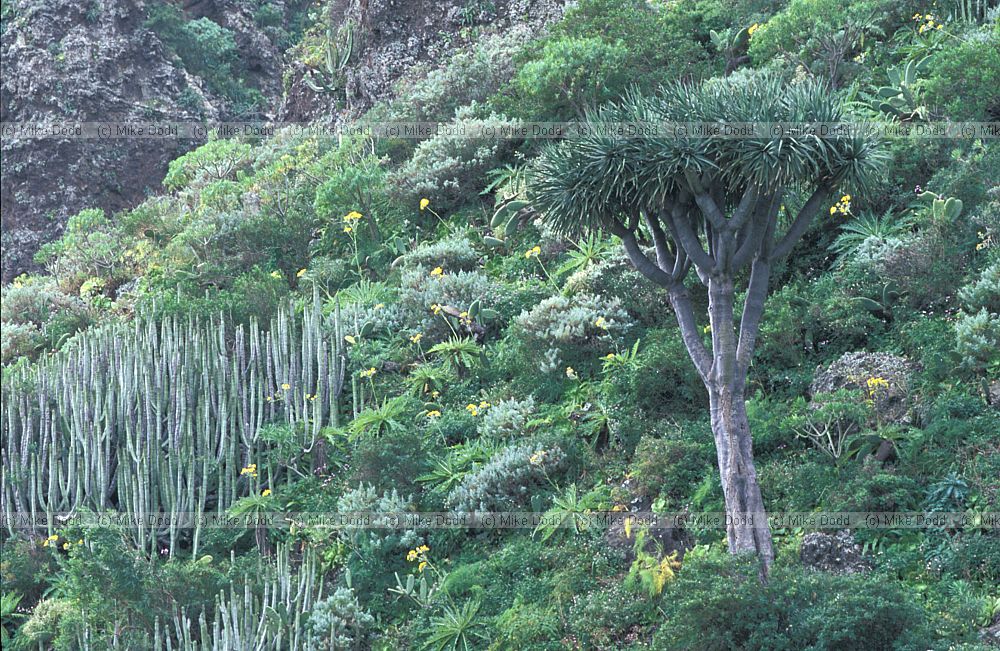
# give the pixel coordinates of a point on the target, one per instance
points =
(161, 417)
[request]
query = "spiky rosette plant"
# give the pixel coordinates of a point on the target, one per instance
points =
(683, 199)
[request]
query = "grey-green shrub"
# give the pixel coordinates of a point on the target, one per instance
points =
(471, 75)
(508, 480)
(338, 622)
(419, 290)
(559, 323)
(376, 539)
(507, 418)
(616, 278)
(977, 339)
(446, 168)
(453, 253)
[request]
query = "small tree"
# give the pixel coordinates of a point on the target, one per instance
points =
(712, 204)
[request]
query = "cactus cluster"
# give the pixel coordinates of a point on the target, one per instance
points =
(165, 417)
(261, 614)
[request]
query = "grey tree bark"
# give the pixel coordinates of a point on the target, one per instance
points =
(695, 233)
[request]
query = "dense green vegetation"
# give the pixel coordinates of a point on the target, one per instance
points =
(307, 324)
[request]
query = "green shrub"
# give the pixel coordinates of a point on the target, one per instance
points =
(666, 384)
(669, 468)
(392, 460)
(717, 602)
(91, 246)
(610, 616)
(964, 77)
(571, 76)
(206, 49)
(600, 49)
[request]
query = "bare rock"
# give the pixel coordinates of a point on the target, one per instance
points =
(890, 374)
(833, 553)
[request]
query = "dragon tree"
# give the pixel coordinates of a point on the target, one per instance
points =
(726, 208)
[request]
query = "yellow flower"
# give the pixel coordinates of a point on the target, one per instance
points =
(537, 458)
(286, 386)
(53, 537)
(601, 323)
(435, 394)
(845, 198)
(350, 339)
(472, 409)
(484, 405)
(423, 549)
(267, 491)
(421, 566)
(79, 542)
(411, 555)
(833, 210)
(276, 274)
(379, 306)
(434, 413)
(424, 203)
(416, 338)
(437, 271)
(609, 356)
(369, 373)
(571, 374)
(753, 28)
(533, 252)
(300, 273)
(436, 309)
(707, 329)
(352, 216)
(348, 229)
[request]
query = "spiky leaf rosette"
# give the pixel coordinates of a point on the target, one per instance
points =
(581, 182)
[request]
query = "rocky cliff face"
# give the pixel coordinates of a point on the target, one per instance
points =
(104, 60)
(390, 37)
(98, 61)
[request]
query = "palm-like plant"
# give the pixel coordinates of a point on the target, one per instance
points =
(868, 226)
(458, 629)
(8, 615)
(712, 205)
(446, 473)
(458, 353)
(569, 510)
(426, 378)
(587, 251)
(379, 420)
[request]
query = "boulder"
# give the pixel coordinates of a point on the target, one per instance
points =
(833, 553)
